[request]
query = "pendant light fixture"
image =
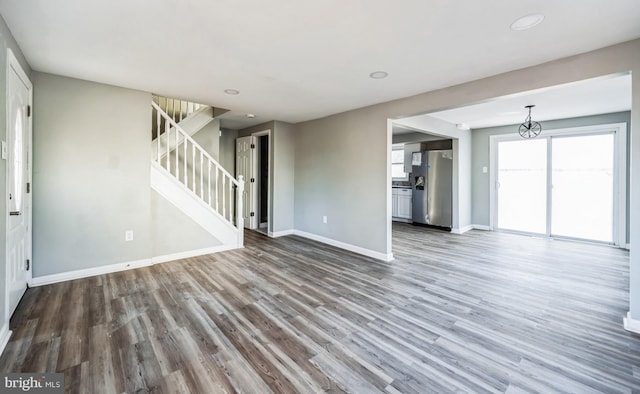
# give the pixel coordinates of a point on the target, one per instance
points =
(529, 129)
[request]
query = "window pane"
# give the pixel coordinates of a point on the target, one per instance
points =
(397, 156)
(397, 171)
(522, 179)
(582, 198)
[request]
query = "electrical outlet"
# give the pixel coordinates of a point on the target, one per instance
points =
(484, 170)
(324, 219)
(128, 235)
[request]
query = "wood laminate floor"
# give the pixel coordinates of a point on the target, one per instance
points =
(479, 312)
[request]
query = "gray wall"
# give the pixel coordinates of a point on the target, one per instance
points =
(208, 138)
(228, 150)
(341, 165)
(6, 41)
(480, 156)
(91, 174)
(173, 231)
(283, 177)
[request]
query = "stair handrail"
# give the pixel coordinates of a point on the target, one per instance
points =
(170, 125)
(192, 141)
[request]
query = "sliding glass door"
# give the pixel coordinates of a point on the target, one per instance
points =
(582, 187)
(522, 185)
(559, 185)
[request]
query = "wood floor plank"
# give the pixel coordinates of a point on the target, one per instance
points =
(482, 312)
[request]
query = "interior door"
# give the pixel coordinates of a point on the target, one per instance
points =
(245, 163)
(18, 182)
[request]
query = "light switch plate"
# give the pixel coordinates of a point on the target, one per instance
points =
(4, 150)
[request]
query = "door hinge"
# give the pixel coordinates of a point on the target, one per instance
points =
(253, 146)
(28, 187)
(28, 110)
(28, 264)
(253, 180)
(253, 214)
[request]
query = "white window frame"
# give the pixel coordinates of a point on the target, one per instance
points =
(406, 175)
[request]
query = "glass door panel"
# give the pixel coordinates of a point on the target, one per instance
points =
(582, 192)
(522, 185)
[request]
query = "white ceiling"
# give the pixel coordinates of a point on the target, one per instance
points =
(589, 97)
(295, 61)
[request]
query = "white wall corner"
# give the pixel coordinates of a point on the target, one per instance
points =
(282, 233)
(5, 334)
(630, 324)
(342, 245)
(85, 273)
(481, 227)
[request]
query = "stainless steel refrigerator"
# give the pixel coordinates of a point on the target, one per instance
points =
(431, 183)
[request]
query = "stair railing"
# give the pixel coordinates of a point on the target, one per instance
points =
(184, 158)
(175, 109)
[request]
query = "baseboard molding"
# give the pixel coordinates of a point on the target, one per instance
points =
(461, 230)
(191, 253)
(630, 324)
(5, 334)
(346, 246)
(85, 273)
(282, 233)
(481, 227)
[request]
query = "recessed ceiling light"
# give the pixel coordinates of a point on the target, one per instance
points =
(232, 92)
(527, 22)
(251, 116)
(379, 74)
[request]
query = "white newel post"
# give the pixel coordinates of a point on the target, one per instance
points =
(239, 209)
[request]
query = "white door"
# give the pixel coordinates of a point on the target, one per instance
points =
(245, 162)
(18, 209)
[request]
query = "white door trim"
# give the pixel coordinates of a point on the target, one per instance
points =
(269, 182)
(14, 64)
(620, 169)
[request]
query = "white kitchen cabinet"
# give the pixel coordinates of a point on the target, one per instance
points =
(394, 202)
(404, 204)
(401, 204)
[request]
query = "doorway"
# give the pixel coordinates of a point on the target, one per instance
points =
(18, 154)
(568, 184)
(253, 158)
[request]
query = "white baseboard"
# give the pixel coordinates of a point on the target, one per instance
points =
(462, 230)
(630, 324)
(282, 233)
(191, 253)
(85, 273)
(346, 246)
(5, 334)
(481, 227)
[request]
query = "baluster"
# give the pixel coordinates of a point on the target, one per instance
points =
(166, 138)
(177, 155)
(201, 175)
(181, 110)
(173, 106)
(209, 179)
(230, 201)
(158, 135)
(186, 174)
(216, 190)
(224, 205)
(193, 165)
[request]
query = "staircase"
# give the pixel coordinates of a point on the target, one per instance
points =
(188, 177)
